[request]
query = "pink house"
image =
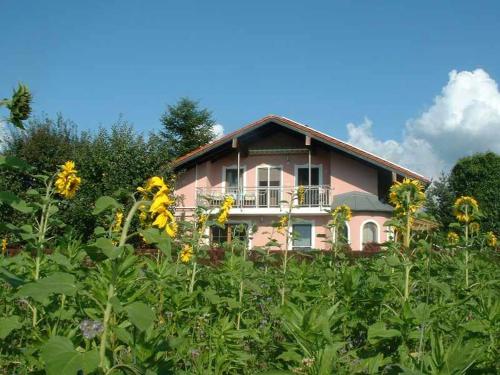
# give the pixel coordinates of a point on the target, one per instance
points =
(261, 164)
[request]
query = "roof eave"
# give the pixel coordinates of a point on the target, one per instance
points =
(306, 130)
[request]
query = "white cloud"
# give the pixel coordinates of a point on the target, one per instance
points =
(464, 118)
(3, 134)
(218, 131)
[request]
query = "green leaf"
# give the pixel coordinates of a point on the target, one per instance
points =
(378, 332)
(15, 202)
(57, 283)
(107, 248)
(9, 324)
(140, 315)
(62, 359)
(13, 162)
(10, 278)
(103, 203)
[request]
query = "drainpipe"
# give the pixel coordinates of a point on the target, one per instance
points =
(309, 173)
(238, 195)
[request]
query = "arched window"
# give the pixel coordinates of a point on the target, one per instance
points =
(369, 232)
(343, 233)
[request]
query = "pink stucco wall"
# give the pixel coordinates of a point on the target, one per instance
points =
(321, 233)
(344, 174)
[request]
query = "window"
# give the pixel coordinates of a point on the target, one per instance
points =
(231, 179)
(269, 182)
(302, 236)
(230, 232)
(303, 176)
(312, 195)
(343, 233)
(369, 233)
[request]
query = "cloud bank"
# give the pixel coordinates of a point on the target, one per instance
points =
(463, 119)
(218, 131)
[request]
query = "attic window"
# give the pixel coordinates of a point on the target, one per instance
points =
(277, 151)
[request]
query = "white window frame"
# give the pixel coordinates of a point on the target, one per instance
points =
(247, 222)
(313, 234)
(320, 172)
(234, 166)
(348, 233)
(361, 232)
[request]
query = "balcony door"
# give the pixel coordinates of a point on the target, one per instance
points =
(312, 194)
(269, 186)
(231, 180)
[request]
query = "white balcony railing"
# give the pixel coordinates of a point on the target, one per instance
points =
(266, 197)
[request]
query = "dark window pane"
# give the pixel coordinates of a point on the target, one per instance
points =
(302, 235)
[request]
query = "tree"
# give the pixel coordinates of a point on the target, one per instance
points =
(479, 176)
(110, 162)
(186, 127)
(440, 199)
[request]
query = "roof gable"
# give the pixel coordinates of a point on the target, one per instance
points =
(303, 129)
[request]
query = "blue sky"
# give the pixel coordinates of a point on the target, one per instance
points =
(324, 63)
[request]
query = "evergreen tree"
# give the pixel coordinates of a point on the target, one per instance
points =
(186, 127)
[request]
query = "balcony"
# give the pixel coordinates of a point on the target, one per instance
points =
(319, 196)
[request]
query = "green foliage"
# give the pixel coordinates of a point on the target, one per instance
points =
(19, 105)
(100, 307)
(186, 127)
(110, 163)
(440, 199)
(479, 176)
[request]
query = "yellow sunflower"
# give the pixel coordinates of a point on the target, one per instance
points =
(452, 238)
(491, 239)
(67, 181)
(159, 211)
(283, 224)
(186, 253)
(407, 196)
(118, 221)
(465, 209)
(4, 246)
(224, 210)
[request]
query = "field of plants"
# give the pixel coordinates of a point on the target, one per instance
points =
(427, 304)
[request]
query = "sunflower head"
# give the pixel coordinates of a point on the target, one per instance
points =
(407, 196)
(465, 209)
(67, 182)
(20, 106)
(224, 209)
(491, 239)
(452, 238)
(341, 214)
(186, 253)
(4, 245)
(283, 224)
(118, 221)
(301, 194)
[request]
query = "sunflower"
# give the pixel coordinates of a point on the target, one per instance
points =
(67, 181)
(341, 213)
(301, 192)
(452, 238)
(491, 239)
(224, 210)
(4, 245)
(159, 212)
(202, 220)
(465, 209)
(407, 196)
(282, 224)
(118, 221)
(474, 227)
(186, 253)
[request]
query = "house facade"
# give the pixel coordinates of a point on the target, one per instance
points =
(264, 163)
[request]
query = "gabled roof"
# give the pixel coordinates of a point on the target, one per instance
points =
(361, 201)
(306, 130)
